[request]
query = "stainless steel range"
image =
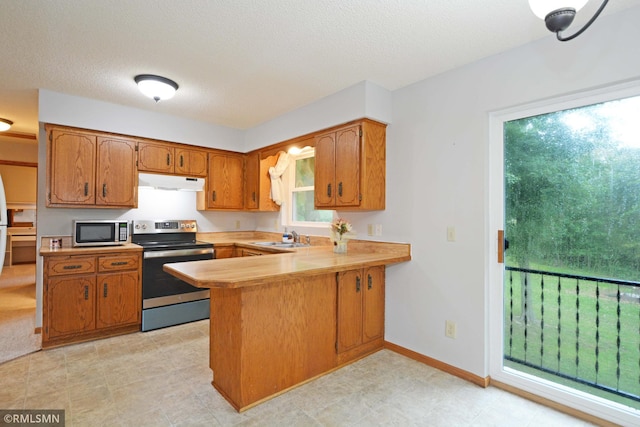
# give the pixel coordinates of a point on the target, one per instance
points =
(167, 300)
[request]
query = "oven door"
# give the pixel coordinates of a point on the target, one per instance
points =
(160, 288)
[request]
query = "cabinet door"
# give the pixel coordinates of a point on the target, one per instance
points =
(349, 310)
(70, 305)
(225, 181)
(155, 157)
(373, 310)
(252, 181)
(117, 183)
(347, 161)
(225, 252)
(71, 175)
(324, 177)
(191, 162)
(118, 299)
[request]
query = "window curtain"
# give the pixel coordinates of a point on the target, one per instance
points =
(275, 172)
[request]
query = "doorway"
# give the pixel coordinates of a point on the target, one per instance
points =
(565, 184)
(18, 167)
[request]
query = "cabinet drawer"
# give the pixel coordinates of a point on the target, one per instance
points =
(71, 265)
(118, 263)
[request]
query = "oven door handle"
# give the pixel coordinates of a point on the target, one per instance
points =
(177, 252)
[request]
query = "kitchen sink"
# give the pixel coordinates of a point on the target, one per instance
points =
(281, 244)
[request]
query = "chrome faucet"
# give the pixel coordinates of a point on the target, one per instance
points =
(296, 236)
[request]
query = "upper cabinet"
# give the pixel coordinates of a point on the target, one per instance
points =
(191, 162)
(224, 187)
(257, 184)
(350, 165)
(90, 169)
(170, 158)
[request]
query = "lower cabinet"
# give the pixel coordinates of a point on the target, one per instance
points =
(251, 252)
(225, 252)
(87, 297)
(360, 312)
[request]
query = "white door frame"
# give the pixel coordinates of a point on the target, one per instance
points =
(495, 201)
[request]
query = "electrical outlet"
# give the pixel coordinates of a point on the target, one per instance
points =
(378, 230)
(237, 224)
(276, 226)
(451, 234)
(370, 230)
(450, 329)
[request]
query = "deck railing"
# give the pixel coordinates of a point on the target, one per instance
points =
(581, 329)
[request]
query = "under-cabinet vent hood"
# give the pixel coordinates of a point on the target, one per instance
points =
(170, 182)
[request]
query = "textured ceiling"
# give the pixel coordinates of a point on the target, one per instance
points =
(242, 62)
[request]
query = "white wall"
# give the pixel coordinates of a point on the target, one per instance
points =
(437, 160)
(364, 99)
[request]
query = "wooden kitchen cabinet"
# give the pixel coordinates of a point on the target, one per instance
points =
(168, 158)
(360, 311)
(90, 169)
(117, 175)
(225, 252)
(251, 252)
(70, 303)
(156, 157)
(350, 165)
(224, 187)
(88, 297)
(257, 185)
(191, 162)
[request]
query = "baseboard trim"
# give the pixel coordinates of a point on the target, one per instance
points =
(553, 404)
(460, 373)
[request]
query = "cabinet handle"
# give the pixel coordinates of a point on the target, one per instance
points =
(358, 284)
(86, 292)
(369, 281)
(329, 190)
(86, 188)
(253, 196)
(181, 160)
(119, 263)
(104, 289)
(340, 189)
(104, 190)
(213, 195)
(168, 159)
(71, 267)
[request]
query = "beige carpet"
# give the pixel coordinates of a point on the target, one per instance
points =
(17, 312)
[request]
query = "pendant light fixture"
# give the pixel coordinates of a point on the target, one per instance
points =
(559, 18)
(5, 124)
(156, 87)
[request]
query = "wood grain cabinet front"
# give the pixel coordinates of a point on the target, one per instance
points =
(165, 157)
(225, 183)
(350, 166)
(89, 297)
(90, 169)
(360, 312)
(257, 182)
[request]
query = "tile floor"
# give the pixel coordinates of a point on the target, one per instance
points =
(161, 378)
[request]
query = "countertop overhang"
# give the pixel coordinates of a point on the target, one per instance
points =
(307, 261)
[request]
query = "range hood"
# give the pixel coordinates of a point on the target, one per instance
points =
(170, 182)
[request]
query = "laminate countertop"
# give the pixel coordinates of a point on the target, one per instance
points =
(299, 262)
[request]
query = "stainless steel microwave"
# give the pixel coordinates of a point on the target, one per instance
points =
(100, 232)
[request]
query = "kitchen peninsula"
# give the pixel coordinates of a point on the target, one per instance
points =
(282, 319)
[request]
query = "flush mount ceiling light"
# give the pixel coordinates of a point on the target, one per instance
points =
(559, 18)
(5, 124)
(156, 87)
